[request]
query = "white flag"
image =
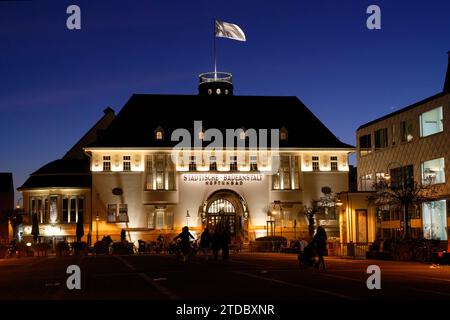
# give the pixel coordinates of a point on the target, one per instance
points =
(229, 30)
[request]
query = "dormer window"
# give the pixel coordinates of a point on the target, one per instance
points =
(283, 133)
(159, 134)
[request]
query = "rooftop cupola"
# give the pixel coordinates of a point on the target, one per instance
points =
(215, 84)
(447, 77)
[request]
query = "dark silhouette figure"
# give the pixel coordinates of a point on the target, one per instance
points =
(205, 242)
(226, 240)
(185, 243)
(216, 241)
(320, 243)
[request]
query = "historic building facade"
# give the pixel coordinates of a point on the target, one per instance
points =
(143, 184)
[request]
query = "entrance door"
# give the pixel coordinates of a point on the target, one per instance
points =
(361, 225)
(222, 211)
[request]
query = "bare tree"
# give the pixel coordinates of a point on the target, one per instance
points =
(403, 194)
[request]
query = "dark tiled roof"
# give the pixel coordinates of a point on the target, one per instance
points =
(135, 125)
(436, 96)
(62, 173)
(6, 181)
(57, 181)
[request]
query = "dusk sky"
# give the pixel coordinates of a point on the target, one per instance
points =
(55, 83)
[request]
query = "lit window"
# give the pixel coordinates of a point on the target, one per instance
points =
(315, 163)
(253, 163)
(123, 213)
(233, 163)
(209, 91)
(433, 171)
(334, 163)
(218, 91)
(212, 163)
(106, 163)
(160, 172)
(283, 134)
(431, 122)
(406, 131)
(435, 220)
(126, 163)
(118, 213)
(192, 163)
(72, 208)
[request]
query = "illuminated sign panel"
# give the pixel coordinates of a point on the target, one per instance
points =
(223, 179)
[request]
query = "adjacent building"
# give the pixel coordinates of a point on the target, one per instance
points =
(411, 144)
(6, 205)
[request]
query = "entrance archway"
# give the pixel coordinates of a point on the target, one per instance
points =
(228, 208)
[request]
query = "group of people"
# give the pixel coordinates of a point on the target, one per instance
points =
(218, 240)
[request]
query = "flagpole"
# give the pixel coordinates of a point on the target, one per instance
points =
(215, 52)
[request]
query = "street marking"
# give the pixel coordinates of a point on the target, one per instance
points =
(149, 280)
(296, 285)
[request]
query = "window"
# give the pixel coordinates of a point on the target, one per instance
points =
(53, 208)
(72, 208)
(253, 163)
(65, 210)
(233, 163)
(287, 177)
(366, 182)
(406, 131)
(435, 220)
(192, 163)
(160, 172)
(159, 134)
(112, 209)
(365, 144)
(334, 163)
(433, 171)
(381, 138)
(431, 122)
(212, 163)
(402, 177)
(106, 163)
(283, 134)
(380, 177)
(118, 216)
(123, 213)
(126, 163)
(159, 219)
(315, 163)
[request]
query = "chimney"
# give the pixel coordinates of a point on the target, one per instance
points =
(447, 77)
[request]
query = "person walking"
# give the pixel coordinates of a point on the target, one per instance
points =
(205, 242)
(185, 243)
(320, 241)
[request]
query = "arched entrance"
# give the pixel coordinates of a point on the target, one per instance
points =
(228, 208)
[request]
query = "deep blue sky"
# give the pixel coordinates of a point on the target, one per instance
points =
(54, 83)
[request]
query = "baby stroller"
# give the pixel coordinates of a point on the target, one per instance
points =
(307, 258)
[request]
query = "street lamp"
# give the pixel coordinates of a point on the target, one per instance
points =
(97, 218)
(277, 207)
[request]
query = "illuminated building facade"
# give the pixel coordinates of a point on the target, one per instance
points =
(141, 185)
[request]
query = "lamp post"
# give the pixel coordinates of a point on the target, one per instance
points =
(97, 218)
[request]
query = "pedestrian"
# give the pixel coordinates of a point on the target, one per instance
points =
(302, 258)
(226, 240)
(205, 242)
(185, 243)
(216, 241)
(320, 242)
